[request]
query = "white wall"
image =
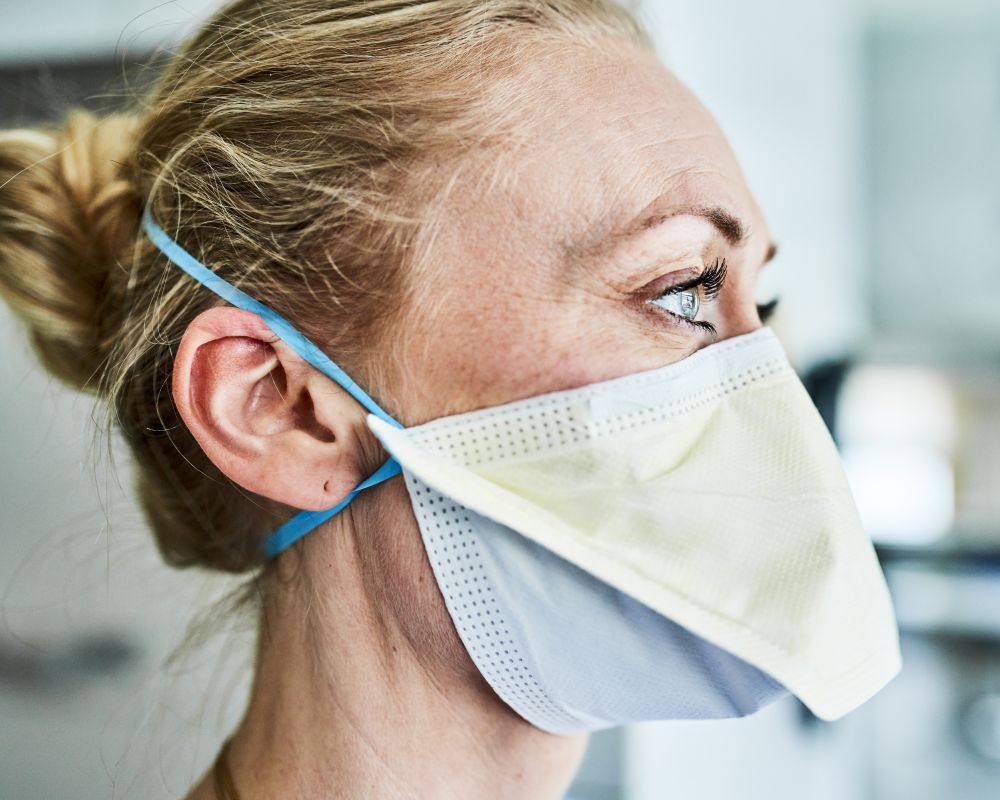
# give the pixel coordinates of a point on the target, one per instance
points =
(57, 28)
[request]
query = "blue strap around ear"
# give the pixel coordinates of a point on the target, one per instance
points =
(299, 525)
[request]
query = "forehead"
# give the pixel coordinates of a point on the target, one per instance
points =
(605, 132)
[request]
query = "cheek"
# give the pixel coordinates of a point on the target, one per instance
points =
(507, 345)
(399, 579)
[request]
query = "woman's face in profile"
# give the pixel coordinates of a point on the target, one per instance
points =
(555, 276)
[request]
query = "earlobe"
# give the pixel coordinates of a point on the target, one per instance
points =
(253, 406)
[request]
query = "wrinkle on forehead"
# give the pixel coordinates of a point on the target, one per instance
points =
(579, 157)
(600, 154)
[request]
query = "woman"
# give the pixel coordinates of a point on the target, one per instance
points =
(463, 204)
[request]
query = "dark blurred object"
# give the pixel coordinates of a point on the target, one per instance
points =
(64, 667)
(824, 382)
(41, 92)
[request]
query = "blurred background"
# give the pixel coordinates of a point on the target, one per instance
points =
(868, 130)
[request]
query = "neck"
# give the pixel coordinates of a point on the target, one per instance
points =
(348, 703)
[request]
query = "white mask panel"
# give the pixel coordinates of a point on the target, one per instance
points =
(708, 491)
(565, 650)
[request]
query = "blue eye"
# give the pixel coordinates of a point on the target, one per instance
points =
(685, 303)
(685, 300)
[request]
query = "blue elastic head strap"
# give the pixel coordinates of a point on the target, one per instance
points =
(303, 522)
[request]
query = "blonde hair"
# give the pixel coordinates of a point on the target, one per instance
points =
(290, 146)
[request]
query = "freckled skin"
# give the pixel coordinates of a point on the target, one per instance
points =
(505, 322)
(361, 676)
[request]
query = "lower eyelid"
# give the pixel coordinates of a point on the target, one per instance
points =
(661, 314)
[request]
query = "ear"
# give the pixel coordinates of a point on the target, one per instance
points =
(264, 416)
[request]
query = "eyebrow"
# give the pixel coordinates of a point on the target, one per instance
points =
(732, 229)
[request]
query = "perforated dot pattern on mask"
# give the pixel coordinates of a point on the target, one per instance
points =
(521, 430)
(454, 554)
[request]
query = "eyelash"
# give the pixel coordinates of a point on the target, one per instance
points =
(711, 281)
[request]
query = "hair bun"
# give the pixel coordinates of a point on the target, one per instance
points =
(68, 213)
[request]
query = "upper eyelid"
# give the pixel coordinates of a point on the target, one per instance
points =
(716, 273)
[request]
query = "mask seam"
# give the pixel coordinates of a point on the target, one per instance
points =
(667, 412)
(729, 384)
